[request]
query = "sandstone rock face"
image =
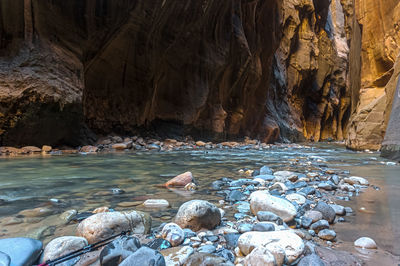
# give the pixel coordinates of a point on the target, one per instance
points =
(380, 70)
(268, 69)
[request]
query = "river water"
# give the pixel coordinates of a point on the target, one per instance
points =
(85, 182)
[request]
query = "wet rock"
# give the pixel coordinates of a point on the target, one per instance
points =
(266, 216)
(118, 250)
(159, 244)
(299, 199)
(235, 195)
(5, 260)
(173, 233)
(356, 180)
(37, 212)
(206, 259)
(260, 257)
(21, 250)
(311, 260)
(260, 201)
(336, 257)
(197, 214)
(319, 225)
(68, 216)
(339, 210)
(265, 170)
(264, 227)
(180, 180)
(328, 213)
(327, 234)
(103, 225)
(287, 240)
(365, 242)
(144, 256)
(156, 203)
(88, 149)
(177, 256)
(61, 246)
(207, 249)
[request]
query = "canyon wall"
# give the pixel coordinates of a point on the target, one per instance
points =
(380, 21)
(275, 70)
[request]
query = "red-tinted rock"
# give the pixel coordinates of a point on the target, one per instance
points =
(181, 180)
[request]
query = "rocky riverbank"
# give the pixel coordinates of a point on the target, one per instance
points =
(268, 217)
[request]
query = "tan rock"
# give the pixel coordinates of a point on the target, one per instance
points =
(46, 148)
(89, 149)
(181, 180)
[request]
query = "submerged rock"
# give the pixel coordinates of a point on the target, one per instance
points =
(21, 250)
(365, 242)
(181, 180)
(197, 214)
(260, 201)
(103, 225)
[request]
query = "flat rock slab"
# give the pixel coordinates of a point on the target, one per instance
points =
(21, 250)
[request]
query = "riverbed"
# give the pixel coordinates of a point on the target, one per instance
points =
(123, 180)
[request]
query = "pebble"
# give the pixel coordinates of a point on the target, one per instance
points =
(173, 233)
(156, 203)
(365, 242)
(319, 225)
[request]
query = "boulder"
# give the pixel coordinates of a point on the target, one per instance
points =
(118, 250)
(263, 202)
(173, 233)
(21, 250)
(180, 180)
(61, 246)
(365, 242)
(197, 214)
(287, 240)
(103, 225)
(5, 260)
(144, 256)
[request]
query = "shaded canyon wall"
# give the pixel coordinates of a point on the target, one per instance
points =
(275, 70)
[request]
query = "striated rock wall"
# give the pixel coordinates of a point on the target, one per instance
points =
(380, 21)
(276, 70)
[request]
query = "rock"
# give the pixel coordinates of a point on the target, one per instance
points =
(236, 195)
(299, 199)
(206, 259)
(319, 225)
(347, 187)
(21, 250)
(339, 210)
(336, 257)
(159, 244)
(226, 254)
(37, 212)
(101, 209)
(180, 180)
(118, 250)
(231, 240)
(326, 186)
(31, 149)
(68, 216)
(120, 146)
(197, 214)
(144, 256)
(265, 170)
(263, 202)
(287, 240)
(207, 249)
(268, 178)
(306, 191)
(260, 257)
(311, 260)
(266, 216)
(263, 227)
(327, 234)
(365, 242)
(356, 180)
(103, 225)
(88, 149)
(153, 147)
(328, 213)
(283, 176)
(156, 203)
(173, 233)
(61, 246)
(200, 143)
(177, 256)
(306, 221)
(245, 227)
(5, 260)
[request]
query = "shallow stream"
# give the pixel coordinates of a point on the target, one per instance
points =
(85, 182)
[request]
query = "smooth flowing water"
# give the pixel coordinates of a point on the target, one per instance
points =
(85, 182)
